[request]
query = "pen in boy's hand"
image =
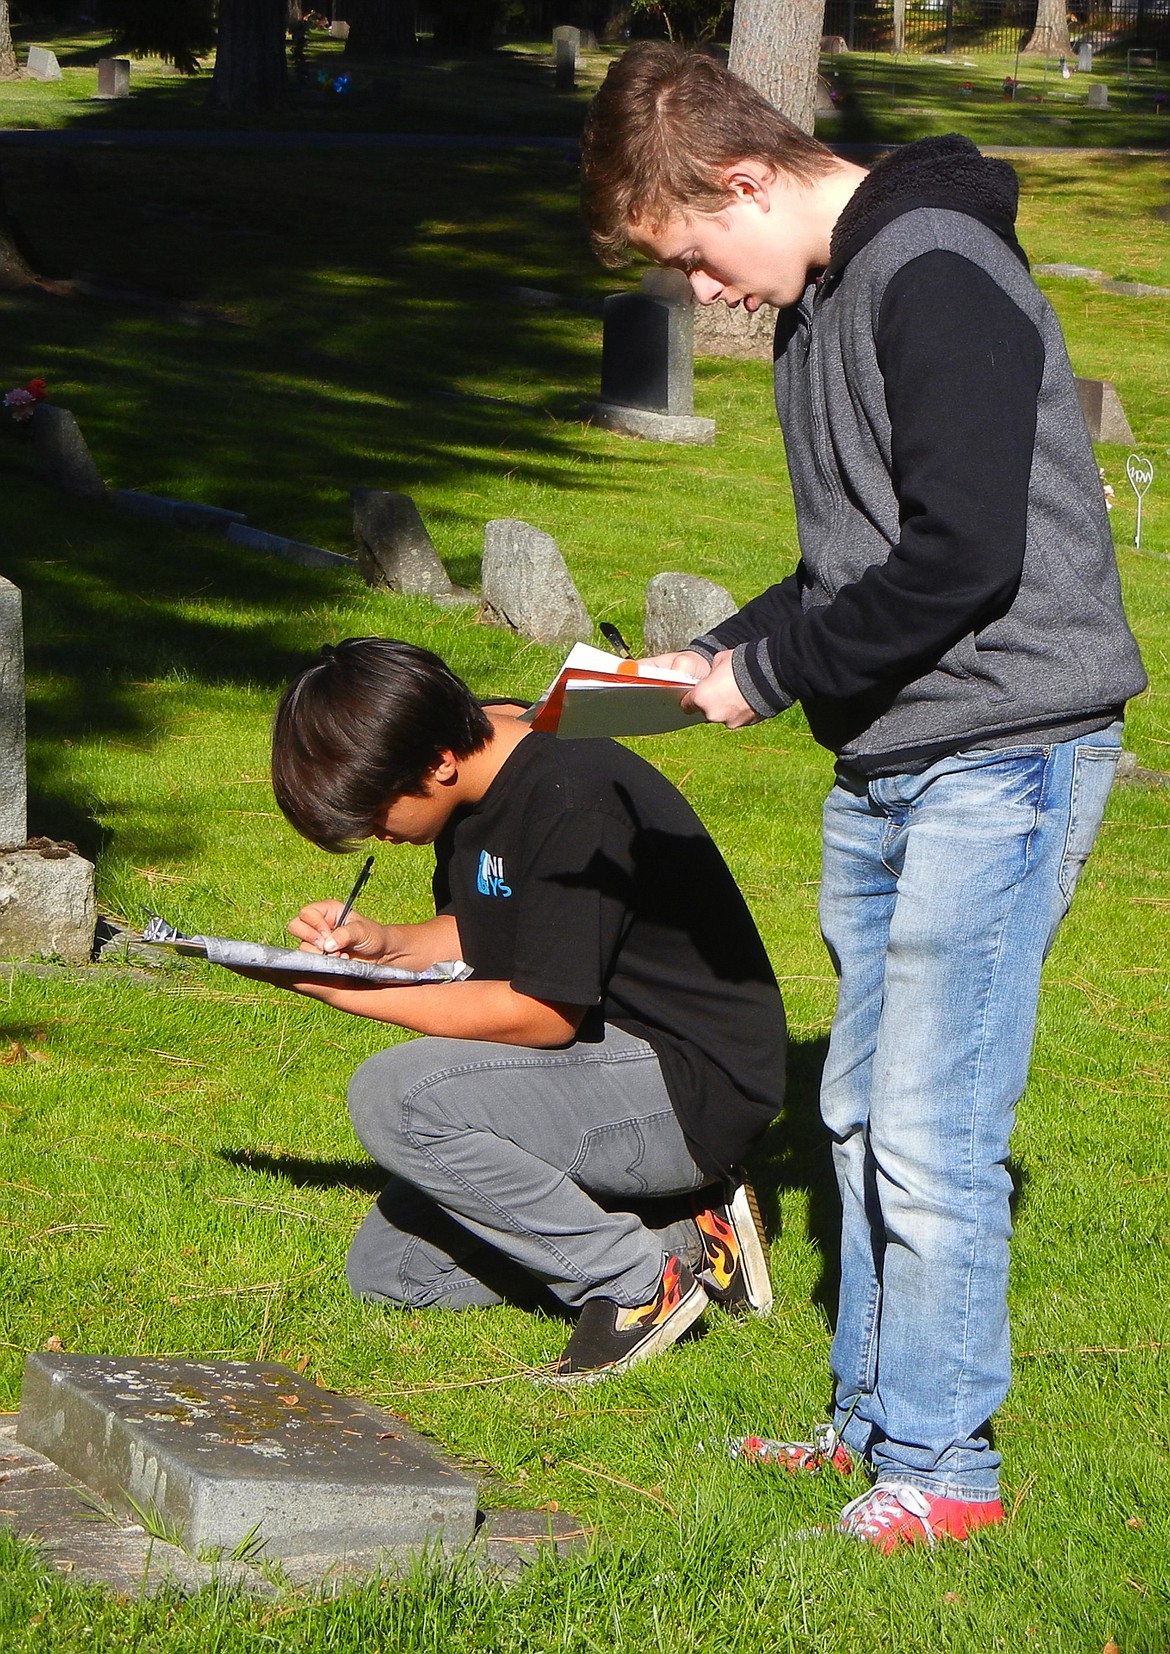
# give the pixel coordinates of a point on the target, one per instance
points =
(358, 883)
(615, 639)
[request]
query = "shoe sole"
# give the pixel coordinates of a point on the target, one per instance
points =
(744, 1212)
(680, 1320)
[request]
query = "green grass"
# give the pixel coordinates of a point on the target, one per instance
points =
(178, 1174)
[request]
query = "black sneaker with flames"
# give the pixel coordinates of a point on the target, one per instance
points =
(735, 1272)
(608, 1339)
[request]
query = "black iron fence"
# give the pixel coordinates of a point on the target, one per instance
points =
(972, 26)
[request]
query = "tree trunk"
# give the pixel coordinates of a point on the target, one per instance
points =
(249, 73)
(380, 28)
(1050, 36)
(7, 50)
(776, 49)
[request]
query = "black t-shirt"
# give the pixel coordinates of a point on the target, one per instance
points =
(583, 876)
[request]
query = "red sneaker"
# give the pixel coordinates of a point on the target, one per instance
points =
(894, 1513)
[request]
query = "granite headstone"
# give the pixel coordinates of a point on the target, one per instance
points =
(113, 77)
(680, 607)
(527, 586)
(62, 458)
(1104, 414)
(42, 64)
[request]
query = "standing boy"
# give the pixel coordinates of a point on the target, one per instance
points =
(622, 1036)
(954, 633)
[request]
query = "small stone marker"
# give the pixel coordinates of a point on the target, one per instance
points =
(833, 45)
(216, 1450)
(290, 551)
(1103, 412)
(47, 904)
(62, 458)
(395, 551)
(13, 820)
(1085, 57)
(825, 102)
(680, 607)
(339, 29)
(648, 363)
(113, 77)
(566, 47)
(1098, 97)
(527, 586)
(42, 64)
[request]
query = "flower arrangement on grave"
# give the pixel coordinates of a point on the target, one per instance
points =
(1107, 489)
(24, 399)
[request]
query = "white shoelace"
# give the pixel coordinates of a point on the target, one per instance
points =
(878, 1510)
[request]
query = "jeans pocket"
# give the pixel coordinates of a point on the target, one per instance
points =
(640, 1156)
(1094, 769)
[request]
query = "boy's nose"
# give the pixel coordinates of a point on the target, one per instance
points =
(705, 288)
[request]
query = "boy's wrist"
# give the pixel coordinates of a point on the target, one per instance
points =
(757, 680)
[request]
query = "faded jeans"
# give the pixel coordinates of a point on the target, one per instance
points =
(941, 895)
(509, 1154)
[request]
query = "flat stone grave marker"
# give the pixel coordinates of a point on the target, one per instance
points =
(219, 1450)
(289, 551)
(113, 77)
(42, 64)
(13, 819)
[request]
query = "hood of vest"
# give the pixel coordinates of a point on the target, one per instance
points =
(932, 172)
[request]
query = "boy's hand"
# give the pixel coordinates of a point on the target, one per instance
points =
(686, 661)
(359, 937)
(718, 697)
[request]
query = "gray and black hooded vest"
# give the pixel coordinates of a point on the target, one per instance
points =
(957, 583)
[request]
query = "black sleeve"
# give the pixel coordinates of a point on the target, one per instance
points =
(766, 613)
(962, 366)
(575, 896)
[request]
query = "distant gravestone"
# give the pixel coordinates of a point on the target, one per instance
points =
(826, 103)
(566, 47)
(113, 77)
(527, 586)
(394, 549)
(42, 64)
(339, 30)
(833, 45)
(62, 458)
(680, 607)
(13, 820)
(1103, 412)
(1098, 97)
(648, 365)
(1085, 57)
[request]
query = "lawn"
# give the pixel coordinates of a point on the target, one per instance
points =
(178, 1173)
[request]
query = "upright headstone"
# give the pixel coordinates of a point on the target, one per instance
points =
(13, 820)
(1085, 57)
(566, 45)
(680, 607)
(825, 102)
(833, 45)
(42, 64)
(62, 458)
(339, 29)
(1103, 412)
(113, 77)
(394, 549)
(647, 363)
(1098, 97)
(527, 586)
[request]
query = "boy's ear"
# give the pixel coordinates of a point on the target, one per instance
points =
(749, 181)
(446, 770)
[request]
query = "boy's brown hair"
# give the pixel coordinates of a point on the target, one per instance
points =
(660, 134)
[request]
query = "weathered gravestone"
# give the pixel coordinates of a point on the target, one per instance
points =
(825, 102)
(47, 905)
(62, 458)
(1085, 57)
(224, 1451)
(833, 45)
(527, 586)
(395, 551)
(680, 607)
(1098, 97)
(648, 363)
(42, 64)
(289, 551)
(338, 30)
(1103, 412)
(113, 77)
(566, 47)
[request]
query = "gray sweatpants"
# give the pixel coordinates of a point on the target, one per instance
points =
(497, 1153)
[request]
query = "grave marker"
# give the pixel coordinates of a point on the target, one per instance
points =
(395, 551)
(13, 819)
(1098, 97)
(113, 77)
(62, 458)
(527, 586)
(648, 363)
(1085, 57)
(680, 607)
(42, 64)
(566, 49)
(1103, 412)
(339, 29)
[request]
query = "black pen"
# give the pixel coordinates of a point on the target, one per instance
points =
(358, 883)
(615, 639)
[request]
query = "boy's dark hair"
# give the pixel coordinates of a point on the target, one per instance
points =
(366, 723)
(660, 134)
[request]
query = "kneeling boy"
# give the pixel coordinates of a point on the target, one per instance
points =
(622, 1035)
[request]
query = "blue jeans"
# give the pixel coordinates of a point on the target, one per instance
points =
(941, 895)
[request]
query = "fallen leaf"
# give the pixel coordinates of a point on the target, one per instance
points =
(1133, 1522)
(52, 1343)
(388, 1436)
(302, 1364)
(290, 1401)
(1111, 1648)
(952, 1597)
